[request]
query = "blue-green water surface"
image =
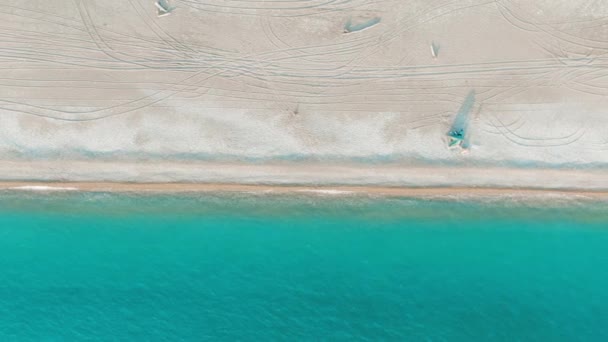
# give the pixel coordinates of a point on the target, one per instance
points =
(262, 268)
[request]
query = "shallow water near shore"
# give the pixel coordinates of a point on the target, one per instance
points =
(253, 267)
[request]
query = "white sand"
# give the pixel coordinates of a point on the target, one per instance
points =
(84, 79)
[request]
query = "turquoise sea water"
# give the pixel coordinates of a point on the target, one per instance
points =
(260, 268)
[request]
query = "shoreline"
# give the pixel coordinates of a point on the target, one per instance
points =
(328, 190)
(329, 179)
(303, 174)
(291, 176)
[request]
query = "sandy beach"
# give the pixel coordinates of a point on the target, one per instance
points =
(114, 91)
(259, 189)
(306, 178)
(305, 173)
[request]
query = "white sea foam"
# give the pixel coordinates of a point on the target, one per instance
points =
(43, 188)
(326, 191)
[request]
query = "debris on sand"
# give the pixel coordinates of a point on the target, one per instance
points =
(163, 8)
(349, 27)
(434, 49)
